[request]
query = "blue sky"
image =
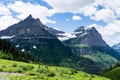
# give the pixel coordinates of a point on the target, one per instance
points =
(66, 15)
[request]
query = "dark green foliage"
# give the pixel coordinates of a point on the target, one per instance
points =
(113, 74)
(42, 70)
(12, 53)
(27, 67)
(14, 65)
(73, 71)
(51, 74)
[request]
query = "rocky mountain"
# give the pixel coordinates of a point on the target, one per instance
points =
(84, 49)
(89, 37)
(31, 36)
(116, 47)
(88, 43)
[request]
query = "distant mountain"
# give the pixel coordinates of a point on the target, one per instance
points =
(89, 37)
(89, 44)
(116, 47)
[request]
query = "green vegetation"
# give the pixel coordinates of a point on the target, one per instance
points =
(54, 54)
(80, 45)
(28, 71)
(113, 74)
(103, 59)
(7, 51)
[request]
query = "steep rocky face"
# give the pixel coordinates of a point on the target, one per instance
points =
(27, 27)
(54, 31)
(30, 35)
(89, 44)
(89, 37)
(88, 41)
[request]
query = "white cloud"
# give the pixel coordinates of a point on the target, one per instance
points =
(88, 10)
(6, 18)
(110, 33)
(37, 11)
(106, 15)
(76, 18)
(67, 19)
(6, 21)
(4, 10)
(68, 5)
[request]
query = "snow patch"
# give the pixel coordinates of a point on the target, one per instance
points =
(56, 28)
(6, 37)
(46, 28)
(28, 30)
(66, 36)
(17, 45)
(34, 47)
(23, 50)
(77, 32)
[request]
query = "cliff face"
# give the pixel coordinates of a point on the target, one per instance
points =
(89, 37)
(89, 41)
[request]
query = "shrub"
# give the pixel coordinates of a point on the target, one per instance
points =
(31, 73)
(14, 65)
(51, 74)
(73, 71)
(28, 67)
(3, 66)
(19, 71)
(24, 68)
(42, 70)
(1, 69)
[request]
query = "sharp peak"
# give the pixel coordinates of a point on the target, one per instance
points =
(81, 28)
(92, 28)
(30, 16)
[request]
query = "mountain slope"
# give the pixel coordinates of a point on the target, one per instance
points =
(30, 36)
(7, 51)
(89, 44)
(113, 74)
(28, 71)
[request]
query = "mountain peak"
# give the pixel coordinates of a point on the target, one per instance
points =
(29, 17)
(92, 29)
(81, 28)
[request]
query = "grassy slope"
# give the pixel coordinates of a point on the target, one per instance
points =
(104, 59)
(113, 74)
(43, 72)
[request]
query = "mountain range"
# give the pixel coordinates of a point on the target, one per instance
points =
(84, 49)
